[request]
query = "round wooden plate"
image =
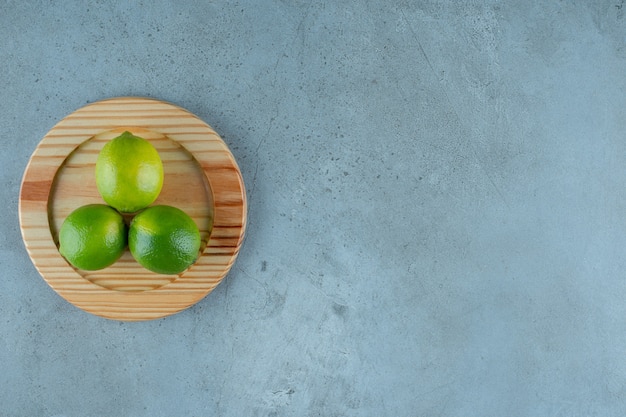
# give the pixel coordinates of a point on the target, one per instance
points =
(201, 177)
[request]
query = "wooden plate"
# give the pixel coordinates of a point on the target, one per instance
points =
(201, 177)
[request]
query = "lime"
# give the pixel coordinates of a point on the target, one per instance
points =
(129, 173)
(93, 237)
(164, 239)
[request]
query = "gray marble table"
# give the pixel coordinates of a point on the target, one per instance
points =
(437, 208)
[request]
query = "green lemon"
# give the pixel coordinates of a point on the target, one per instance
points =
(129, 173)
(93, 237)
(164, 239)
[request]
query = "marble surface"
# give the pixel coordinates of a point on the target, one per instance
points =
(437, 208)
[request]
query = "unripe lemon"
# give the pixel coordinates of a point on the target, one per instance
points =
(93, 237)
(129, 173)
(164, 239)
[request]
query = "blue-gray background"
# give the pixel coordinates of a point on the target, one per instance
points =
(437, 208)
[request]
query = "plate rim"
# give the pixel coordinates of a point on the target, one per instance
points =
(172, 297)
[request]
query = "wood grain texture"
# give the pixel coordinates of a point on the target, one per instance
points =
(201, 177)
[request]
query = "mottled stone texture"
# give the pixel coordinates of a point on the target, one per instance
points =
(437, 208)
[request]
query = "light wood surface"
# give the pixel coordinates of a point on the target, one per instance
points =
(201, 177)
